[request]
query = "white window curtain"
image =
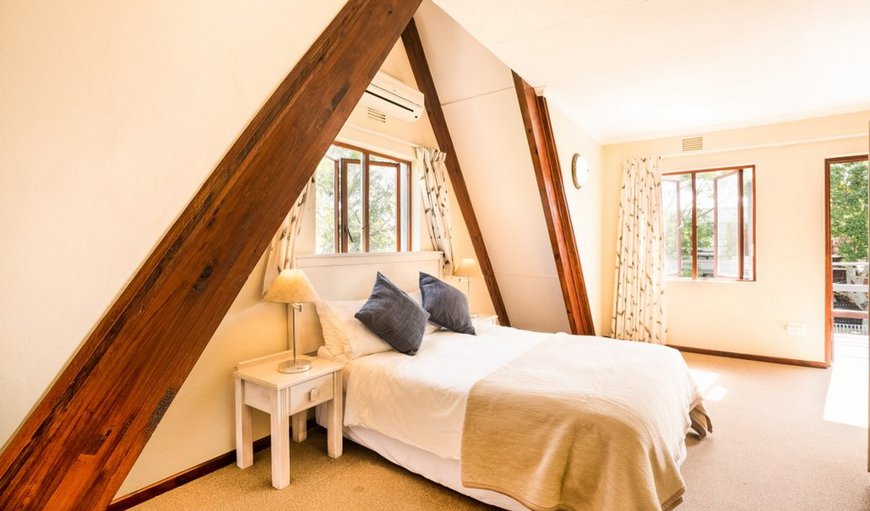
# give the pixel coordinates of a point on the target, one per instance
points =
(282, 250)
(436, 203)
(639, 295)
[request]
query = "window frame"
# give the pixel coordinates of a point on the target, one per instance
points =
(341, 191)
(741, 235)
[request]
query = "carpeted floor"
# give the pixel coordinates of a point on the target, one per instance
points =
(771, 450)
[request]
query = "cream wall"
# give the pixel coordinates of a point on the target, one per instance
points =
(112, 115)
(477, 93)
(750, 317)
(584, 204)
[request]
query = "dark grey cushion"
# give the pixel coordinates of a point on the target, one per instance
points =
(446, 305)
(394, 316)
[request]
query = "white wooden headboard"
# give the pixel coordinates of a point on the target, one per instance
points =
(351, 277)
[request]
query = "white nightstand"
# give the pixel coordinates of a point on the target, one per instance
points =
(259, 385)
(488, 319)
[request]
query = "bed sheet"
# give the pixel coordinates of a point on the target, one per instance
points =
(420, 400)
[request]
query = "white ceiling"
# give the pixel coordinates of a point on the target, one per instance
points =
(634, 69)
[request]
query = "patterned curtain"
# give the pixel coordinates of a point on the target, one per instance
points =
(282, 251)
(436, 206)
(639, 295)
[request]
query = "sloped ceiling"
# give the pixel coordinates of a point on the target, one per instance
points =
(629, 69)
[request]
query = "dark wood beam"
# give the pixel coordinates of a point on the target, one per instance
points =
(78, 444)
(420, 66)
(548, 172)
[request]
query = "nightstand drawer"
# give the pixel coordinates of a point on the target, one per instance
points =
(305, 395)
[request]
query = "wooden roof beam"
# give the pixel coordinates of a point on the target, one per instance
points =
(548, 172)
(420, 66)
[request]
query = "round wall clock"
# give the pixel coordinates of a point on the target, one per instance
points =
(579, 170)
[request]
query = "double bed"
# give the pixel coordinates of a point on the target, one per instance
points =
(526, 420)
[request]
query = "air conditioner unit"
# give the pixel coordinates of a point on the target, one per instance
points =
(392, 97)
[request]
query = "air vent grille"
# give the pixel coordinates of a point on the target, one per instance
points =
(377, 115)
(693, 144)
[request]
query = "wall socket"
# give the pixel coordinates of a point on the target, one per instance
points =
(796, 329)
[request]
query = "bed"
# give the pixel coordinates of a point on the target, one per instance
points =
(614, 440)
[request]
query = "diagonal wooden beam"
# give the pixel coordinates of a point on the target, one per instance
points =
(78, 444)
(548, 172)
(420, 66)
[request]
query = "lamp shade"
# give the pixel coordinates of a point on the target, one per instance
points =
(467, 268)
(291, 286)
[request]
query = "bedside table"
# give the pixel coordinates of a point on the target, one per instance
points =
(487, 319)
(259, 385)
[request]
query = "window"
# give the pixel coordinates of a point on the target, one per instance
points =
(709, 223)
(362, 202)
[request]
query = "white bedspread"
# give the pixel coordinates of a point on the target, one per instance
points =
(420, 400)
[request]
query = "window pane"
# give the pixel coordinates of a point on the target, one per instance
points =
(748, 235)
(405, 210)
(354, 205)
(337, 152)
(324, 204)
(671, 218)
(383, 202)
(725, 187)
(718, 223)
(378, 158)
(362, 184)
(704, 196)
(686, 207)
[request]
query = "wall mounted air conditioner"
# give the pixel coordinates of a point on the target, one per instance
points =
(392, 97)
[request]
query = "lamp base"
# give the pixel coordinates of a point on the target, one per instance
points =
(300, 366)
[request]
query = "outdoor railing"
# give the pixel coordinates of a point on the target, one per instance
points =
(850, 305)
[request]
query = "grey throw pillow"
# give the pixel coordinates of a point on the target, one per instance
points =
(446, 305)
(394, 316)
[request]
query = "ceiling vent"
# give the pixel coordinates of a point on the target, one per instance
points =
(376, 115)
(693, 144)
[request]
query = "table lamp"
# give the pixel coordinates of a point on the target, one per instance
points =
(466, 270)
(293, 288)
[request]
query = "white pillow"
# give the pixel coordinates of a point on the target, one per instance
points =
(333, 332)
(343, 333)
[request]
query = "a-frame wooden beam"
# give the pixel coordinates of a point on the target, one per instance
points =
(78, 444)
(548, 172)
(420, 67)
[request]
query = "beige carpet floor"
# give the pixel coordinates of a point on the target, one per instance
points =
(771, 449)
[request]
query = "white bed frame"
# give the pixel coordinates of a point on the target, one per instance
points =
(351, 277)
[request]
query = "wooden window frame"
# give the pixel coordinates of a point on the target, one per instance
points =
(741, 237)
(366, 163)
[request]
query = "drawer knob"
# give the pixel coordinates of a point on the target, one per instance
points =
(314, 394)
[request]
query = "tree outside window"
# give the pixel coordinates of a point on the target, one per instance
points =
(362, 202)
(709, 223)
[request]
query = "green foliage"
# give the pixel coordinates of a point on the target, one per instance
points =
(382, 204)
(849, 210)
(324, 200)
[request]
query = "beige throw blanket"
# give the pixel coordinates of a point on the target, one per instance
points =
(583, 423)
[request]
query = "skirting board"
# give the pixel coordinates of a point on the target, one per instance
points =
(757, 358)
(174, 481)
